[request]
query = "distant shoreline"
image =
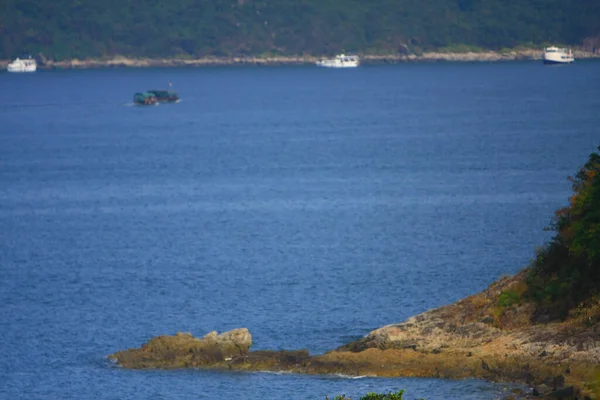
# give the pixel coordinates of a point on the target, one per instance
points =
(434, 56)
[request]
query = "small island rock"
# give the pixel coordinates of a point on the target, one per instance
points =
(184, 350)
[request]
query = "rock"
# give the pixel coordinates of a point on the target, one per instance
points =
(183, 350)
(237, 339)
(293, 357)
(378, 339)
(563, 394)
(528, 378)
(404, 345)
(558, 382)
(541, 390)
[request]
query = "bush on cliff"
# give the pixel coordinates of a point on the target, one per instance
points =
(376, 396)
(566, 272)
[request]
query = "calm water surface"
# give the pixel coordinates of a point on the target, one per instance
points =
(308, 205)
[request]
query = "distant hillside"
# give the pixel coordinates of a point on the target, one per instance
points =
(158, 28)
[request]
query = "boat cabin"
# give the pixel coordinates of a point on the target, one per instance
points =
(167, 96)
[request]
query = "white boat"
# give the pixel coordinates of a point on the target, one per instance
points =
(340, 61)
(27, 65)
(556, 55)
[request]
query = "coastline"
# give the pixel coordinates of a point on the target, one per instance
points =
(434, 56)
(476, 337)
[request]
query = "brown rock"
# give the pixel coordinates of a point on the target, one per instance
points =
(183, 350)
(211, 336)
(541, 390)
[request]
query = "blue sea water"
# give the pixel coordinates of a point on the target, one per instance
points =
(309, 205)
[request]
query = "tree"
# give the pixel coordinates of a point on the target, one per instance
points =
(567, 271)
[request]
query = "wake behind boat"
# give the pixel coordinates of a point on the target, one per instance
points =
(340, 61)
(27, 65)
(556, 55)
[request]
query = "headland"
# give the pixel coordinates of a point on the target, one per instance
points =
(481, 336)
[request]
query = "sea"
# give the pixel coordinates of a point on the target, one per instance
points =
(308, 205)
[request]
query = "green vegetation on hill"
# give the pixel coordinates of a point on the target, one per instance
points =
(566, 273)
(63, 29)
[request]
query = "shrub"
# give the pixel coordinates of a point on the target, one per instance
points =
(376, 396)
(508, 298)
(567, 271)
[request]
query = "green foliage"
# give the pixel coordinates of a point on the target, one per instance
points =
(508, 298)
(567, 271)
(159, 28)
(376, 396)
(389, 396)
(462, 48)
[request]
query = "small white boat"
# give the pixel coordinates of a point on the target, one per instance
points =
(340, 61)
(27, 65)
(557, 55)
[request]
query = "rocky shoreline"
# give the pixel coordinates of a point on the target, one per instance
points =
(473, 338)
(440, 56)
